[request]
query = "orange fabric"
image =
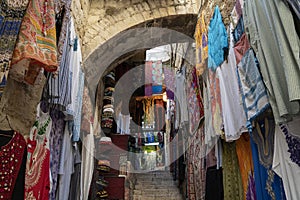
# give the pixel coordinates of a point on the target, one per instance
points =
(36, 41)
(243, 150)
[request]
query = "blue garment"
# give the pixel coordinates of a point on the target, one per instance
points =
(267, 182)
(217, 40)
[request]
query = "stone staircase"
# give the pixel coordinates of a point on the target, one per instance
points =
(156, 185)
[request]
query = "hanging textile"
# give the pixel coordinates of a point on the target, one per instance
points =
(210, 135)
(216, 105)
(56, 137)
(63, 13)
(217, 41)
(195, 104)
(169, 74)
(277, 49)
(286, 161)
(11, 15)
(87, 168)
(66, 167)
(254, 94)
(201, 44)
(157, 78)
(243, 151)
(182, 114)
(268, 184)
(37, 180)
(232, 180)
(36, 46)
(59, 87)
(241, 47)
(233, 114)
(159, 115)
(199, 163)
(148, 78)
(11, 156)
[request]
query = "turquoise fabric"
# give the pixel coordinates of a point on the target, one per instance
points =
(217, 40)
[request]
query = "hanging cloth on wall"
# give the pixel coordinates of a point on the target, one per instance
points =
(234, 118)
(195, 104)
(252, 88)
(217, 40)
(232, 179)
(267, 183)
(11, 156)
(201, 44)
(157, 78)
(37, 180)
(148, 78)
(169, 81)
(11, 15)
(36, 46)
(277, 48)
(286, 161)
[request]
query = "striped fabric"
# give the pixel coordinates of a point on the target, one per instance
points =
(254, 94)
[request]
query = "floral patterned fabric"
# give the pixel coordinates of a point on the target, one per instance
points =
(36, 46)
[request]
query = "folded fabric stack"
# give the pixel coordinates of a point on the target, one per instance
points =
(108, 103)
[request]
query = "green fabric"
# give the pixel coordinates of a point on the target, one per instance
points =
(232, 180)
(271, 31)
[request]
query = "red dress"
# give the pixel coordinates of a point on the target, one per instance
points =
(37, 178)
(11, 156)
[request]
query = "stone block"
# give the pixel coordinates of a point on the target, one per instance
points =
(146, 5)
(171, 10)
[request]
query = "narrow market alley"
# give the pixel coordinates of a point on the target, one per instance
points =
(149, 100)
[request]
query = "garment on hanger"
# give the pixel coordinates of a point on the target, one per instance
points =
(37, 180)
(244, 154)
(277, 48)
(87, 167)
(217, 40)
(12, 149)
(36, 47)
(233, 114)
(11, 16)
(66, 167)
(201, 44)
(286, 157)
(148, 78)
(195, 103)
(56, 137)
(268, 184)
(232, 180)
(254, 94)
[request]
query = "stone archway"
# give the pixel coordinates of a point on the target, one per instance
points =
(107, 18)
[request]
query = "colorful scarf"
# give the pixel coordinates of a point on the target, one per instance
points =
(36, 46)
(11, 15)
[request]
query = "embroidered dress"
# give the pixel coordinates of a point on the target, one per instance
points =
(36, 46)
(268, 184)
(11, 15)
(37, 179)
(11, 156)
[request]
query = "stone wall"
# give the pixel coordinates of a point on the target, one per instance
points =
(106, 18)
